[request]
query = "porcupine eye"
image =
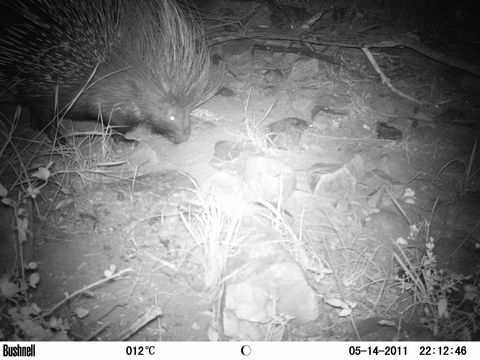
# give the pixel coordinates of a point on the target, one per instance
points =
(171, 118)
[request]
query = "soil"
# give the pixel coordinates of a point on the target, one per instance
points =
(424, 172)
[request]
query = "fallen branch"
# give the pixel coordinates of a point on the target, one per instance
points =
(140, 323)
(86, 288)
(387, 81)
(403, 40)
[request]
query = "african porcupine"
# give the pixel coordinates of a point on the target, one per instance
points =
(153, 64)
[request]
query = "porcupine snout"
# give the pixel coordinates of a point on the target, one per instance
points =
(175, 124)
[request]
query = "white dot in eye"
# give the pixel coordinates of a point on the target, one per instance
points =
(171, 118)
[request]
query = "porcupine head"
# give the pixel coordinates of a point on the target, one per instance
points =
(171, 72)
(131, 98)
(145, 99)
(168, 115)
(162, 114)
(135, 97)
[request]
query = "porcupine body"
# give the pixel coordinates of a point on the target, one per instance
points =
(129, 62)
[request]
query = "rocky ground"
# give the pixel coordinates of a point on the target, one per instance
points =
(312, 202)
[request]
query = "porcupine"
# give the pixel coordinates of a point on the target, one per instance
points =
(153, 64)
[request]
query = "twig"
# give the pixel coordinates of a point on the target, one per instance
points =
(399, 207)
(398, 40)
(137, 325)
(86, 288)
(98, 332)
(387, 81)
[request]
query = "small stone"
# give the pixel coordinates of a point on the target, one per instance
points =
(387, 132)
(227, 150)
(287, 133)
(269, 179)
(226, 92)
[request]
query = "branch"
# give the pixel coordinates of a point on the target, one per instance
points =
(403, 40)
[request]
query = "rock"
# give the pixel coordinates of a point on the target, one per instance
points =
(226, 191)
(304, 69)
(287, 133)
(335, 186)
(268, 290)
(387, 132)
(269, 179)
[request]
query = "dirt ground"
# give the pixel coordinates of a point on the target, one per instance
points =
(381, 194)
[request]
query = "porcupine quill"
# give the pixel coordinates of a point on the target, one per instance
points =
(153, 64)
